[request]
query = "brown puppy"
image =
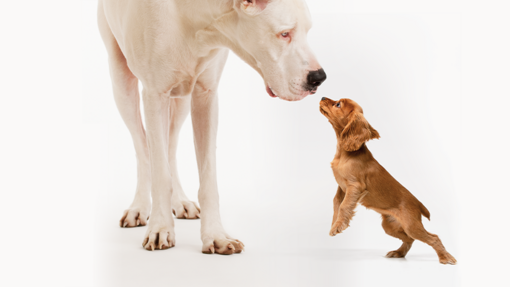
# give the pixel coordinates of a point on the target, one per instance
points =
(361, 179)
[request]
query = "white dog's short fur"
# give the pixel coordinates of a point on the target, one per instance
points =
(177, 49)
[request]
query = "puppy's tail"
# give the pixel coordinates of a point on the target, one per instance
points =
(424, 211)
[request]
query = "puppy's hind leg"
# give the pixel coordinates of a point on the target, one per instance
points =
(393, 228)
(414, 228)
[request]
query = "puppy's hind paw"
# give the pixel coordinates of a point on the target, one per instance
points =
(395, 254)
(447, 259)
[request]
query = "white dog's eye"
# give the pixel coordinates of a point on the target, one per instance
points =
(285, 34)
(337, 105)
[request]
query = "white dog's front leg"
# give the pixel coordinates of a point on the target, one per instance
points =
(160, 231)
(204, 112)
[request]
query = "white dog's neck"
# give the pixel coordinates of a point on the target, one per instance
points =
(216, 29)
(198, 14)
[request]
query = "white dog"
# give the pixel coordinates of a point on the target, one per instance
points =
(177, 49)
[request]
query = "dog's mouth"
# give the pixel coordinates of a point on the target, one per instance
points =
(323, 111)
(273, 94)
(270, 92)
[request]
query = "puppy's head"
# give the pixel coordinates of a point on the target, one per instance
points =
(347, 119)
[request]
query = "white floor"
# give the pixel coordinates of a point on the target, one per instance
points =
(289, 251)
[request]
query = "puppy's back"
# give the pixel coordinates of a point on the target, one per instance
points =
(386, 193)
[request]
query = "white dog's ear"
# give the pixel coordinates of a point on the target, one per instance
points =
(252, 7)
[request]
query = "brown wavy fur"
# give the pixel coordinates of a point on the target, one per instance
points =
(361, 179)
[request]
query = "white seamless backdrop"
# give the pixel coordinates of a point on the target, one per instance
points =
(276, 185)
(415, 67)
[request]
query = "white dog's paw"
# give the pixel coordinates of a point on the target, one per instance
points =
(185, 209)
(135, 216)
(160, 234)
(222, 245)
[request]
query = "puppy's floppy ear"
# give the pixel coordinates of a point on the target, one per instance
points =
(356, 132)
(251, 7)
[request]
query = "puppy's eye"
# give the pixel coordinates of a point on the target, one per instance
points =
(337, 105)
(285, 34)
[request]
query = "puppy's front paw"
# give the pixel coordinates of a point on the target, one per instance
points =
(338, 227)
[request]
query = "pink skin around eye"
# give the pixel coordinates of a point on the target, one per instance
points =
(285, 36)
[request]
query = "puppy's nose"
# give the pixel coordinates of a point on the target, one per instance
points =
(323, 98)
(315, 78)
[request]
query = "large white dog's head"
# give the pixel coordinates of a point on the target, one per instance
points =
(270, 35)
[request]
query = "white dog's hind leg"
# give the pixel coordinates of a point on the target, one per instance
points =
(160, 232)
(181, 205)
(127, 98)
(125, 90)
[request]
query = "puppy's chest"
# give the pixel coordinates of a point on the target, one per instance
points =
(340, 173)
(344, 177)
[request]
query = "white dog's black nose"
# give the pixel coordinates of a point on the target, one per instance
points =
(315, 78)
